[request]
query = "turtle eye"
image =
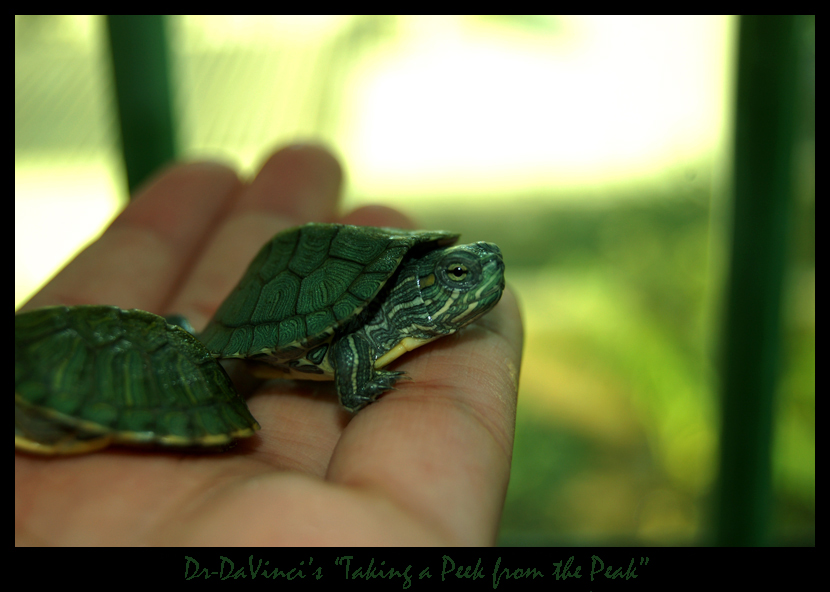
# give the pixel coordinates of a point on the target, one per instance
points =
(456, 272)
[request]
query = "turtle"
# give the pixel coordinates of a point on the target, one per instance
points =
(86, 377)
(340, 302)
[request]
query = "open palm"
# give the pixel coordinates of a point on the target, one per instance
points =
(427, 464)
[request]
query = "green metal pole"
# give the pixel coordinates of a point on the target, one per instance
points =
(764, 137)
(140, 67)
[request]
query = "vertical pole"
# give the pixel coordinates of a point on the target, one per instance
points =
(140, 67)
(764, 137)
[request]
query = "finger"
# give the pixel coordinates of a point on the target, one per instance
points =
(378, 216)
(440, 446)
(296, 185)
(137, 261)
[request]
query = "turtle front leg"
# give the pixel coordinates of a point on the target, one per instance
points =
(358, 382)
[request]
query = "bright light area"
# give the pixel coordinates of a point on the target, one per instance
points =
(220, 31)
(458, 109)
(72, 205)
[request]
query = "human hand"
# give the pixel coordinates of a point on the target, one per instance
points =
(427, 464)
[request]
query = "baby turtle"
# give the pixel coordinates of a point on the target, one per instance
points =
(338, 302)
(86, 377)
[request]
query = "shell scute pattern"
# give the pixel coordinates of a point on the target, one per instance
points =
(305, 283)
(90, 372)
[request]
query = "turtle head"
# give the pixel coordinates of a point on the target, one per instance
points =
(461, 283)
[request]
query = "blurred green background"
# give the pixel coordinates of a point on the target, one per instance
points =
(594, 150)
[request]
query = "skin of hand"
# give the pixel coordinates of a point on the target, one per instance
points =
(428, 464)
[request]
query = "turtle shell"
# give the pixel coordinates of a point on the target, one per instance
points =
(306, 282)
(89, 376)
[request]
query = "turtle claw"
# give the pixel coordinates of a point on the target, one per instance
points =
(385, 380)
(401, 376)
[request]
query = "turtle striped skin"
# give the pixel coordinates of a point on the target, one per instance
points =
(338, 302)
(90, 376)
